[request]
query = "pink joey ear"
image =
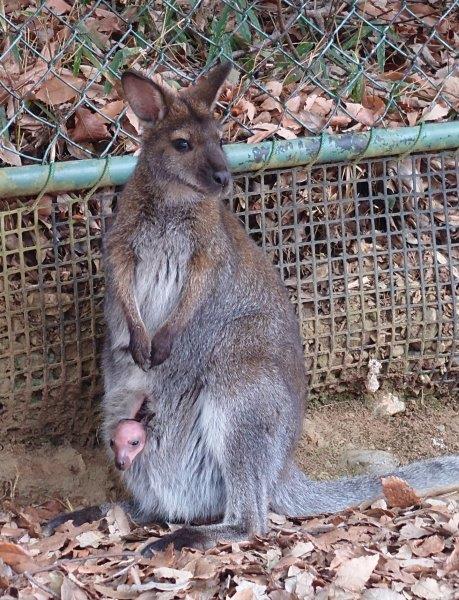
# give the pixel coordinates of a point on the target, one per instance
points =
(148, 100)
(207, 88)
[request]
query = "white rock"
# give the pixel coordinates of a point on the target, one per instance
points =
(376, 462)
(387, 404)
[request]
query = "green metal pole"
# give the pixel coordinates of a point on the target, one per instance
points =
(85, 174)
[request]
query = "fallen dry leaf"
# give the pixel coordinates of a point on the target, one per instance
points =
(58, 6)
(360, 114)
(263, 130)
(45, 206)
(431, 589)
(9, 154)
(274, 88)
(113, 109)
(381, 594)
(89, 126)
(301, 548)
(451, 90)
(433, 544)
(247, 107)
(293, 104)
(70, 591)
(353, 574)
(248, 590)
(89, 539)
(16, 557)
(410, 531)
(117, 518)
(452, 562)
(374, 103)
(435, 112)
(300, 583)
(271, 104)
(59, 89)
(398, 492)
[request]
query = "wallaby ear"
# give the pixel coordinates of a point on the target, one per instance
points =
(207, 88)
(147, 99)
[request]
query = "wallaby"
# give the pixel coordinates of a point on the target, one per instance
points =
(199, 319)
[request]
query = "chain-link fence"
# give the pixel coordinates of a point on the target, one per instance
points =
(368, 249)
(301, 67)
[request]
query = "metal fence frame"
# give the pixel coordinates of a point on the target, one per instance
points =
(319, 205)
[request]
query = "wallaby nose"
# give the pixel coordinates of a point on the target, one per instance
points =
(222, 178)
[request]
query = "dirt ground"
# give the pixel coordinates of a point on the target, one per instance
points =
(331, 430)
(429, 428)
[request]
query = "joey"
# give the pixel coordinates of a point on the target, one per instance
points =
(127, 441)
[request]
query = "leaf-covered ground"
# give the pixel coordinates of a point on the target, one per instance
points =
(376, 552)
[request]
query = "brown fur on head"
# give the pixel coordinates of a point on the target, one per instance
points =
(182, 142)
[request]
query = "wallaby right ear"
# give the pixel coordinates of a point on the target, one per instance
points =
(147, 99)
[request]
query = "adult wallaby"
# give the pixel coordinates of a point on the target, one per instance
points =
(199, 321)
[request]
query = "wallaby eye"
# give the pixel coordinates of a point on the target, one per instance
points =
(112, 443)
(221, 143)
(134, 442)
(181, 145)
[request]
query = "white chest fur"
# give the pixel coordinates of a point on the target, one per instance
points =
(159, 279)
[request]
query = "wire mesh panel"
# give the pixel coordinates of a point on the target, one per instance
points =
(301, 67)
(369, 253)
(51, 300)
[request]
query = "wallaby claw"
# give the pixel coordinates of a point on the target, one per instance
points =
(161, 345)
(154, 547)
(139, 347)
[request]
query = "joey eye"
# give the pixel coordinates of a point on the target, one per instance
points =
(134, 442)
(181, 145)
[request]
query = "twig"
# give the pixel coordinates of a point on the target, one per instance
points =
(284, 30)
(63, 561)
(317, 14)
(274, 37)
(40, 586)
(120, 572)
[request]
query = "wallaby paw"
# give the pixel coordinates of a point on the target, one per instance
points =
(139, 347)
(161, 345)
(50, 527)
(187, 537)
(78, 517)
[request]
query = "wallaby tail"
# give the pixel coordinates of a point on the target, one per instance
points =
(298, 495)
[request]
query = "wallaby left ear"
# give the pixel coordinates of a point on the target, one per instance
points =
(207, 88)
